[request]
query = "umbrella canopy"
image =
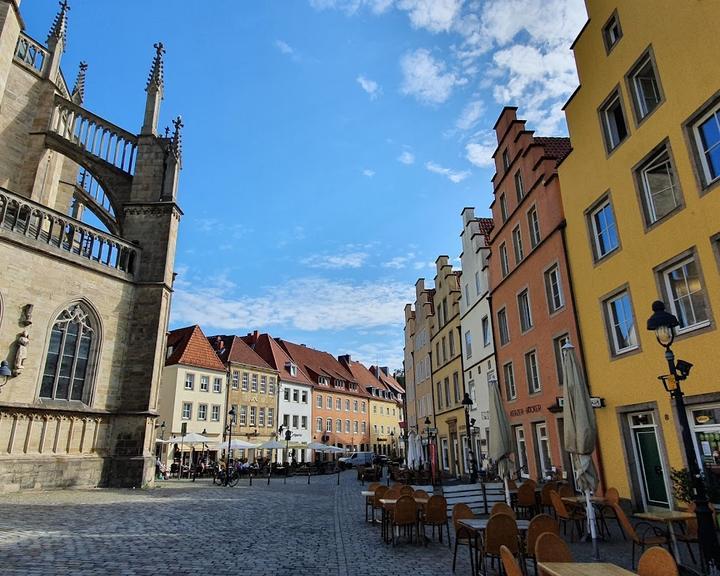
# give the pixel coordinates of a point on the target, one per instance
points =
(334, 450)
(236, 444)
(192, 438)
(501, 444)
(317, 446)
(271, 445)
(412, 456)
(419, 448)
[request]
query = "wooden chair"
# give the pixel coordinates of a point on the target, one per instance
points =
(690, 532)
(501, 531)
(369, 500)
(393, 492)
(574, 515)
(406, 491)
(526, 504)
(545, 501)
(657, 561)
(541, 524)
(512, 568)
(380, 492)
(405, 515)
(607, 512)
(502, 508)
(511, 484)
(436, 515)
(421, 494)
(460, 512)
(550, 547)
(565, 491)
(648, 536)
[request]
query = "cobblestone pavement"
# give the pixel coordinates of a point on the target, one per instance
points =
(183, 528)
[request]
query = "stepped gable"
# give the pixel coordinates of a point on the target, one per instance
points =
(190, 347)
(233, 349)
(269, 350)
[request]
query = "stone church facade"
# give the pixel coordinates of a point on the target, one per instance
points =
(83, 308)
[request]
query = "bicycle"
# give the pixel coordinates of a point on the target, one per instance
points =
(219, 478)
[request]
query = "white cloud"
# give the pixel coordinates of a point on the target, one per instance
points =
(406, 157)
(470, 115)
(399, 262)
(385, 350)
(352, 6)
(368, 173)
(426, 78)
(480, 152)
(455, 176)
(303, 303)
(433, 15)
(336, 261)
(284, 47)
(370, 86)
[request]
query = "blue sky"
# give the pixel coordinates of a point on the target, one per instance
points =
(329, 145)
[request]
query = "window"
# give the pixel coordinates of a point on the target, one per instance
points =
(522, 460)
(319, 401)
(254, 383)
(243, 415)
(261, 417)
(519, 188)
(347, 426)
(286, 421)
(235, 379)
(202, 412)
(621, 323)
(303, 422)
(451, 342)
(684, 289)
(286, 394)
(532, 372)
(338, 425)
(509, 375)
(375, 409)
(189, 379)
(456, 387)
(503, 208)
(293, 369)
(204, 384)
(533, 227)
(329, 402)
(659, 186)
(444, 349)
(612, 32)
(296, 395)
(215, 413)
(364, 427)
(271, 417)
(478, 287)
(263, 384)
(517, 244)
(506, 159)
(217, 385)
(543, 446)
(486, 331)
(328, 425)
(468, 344)
(362, 407)
(253, 414)
(187, 410)
(553, 289)
(318, 425)
(355, 406)
(245, 381)
(707, 138)
(355, 426)
(504, 267)
(645, 87)
(271, 386)
(295, 421)
(338, 404)
(558, 344)
(613, 121)
(604, 230)
(438, 386)
(503, 327)
(524, 311)
(347, 405)
(437, 353)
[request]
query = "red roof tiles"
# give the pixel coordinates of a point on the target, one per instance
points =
(270, 351)
(555, 147)
(188, 346)
(235, 350)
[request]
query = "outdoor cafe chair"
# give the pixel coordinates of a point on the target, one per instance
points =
(657, 561)
(538, 526)
(380, 492)
(436, 515)
(369, 500)
(502, 508)
(509, 562)
(607, 511)
(526, 503)
(421, 494)
(545, 501)
(406, 491)
(565, 491)
(405, 515)
(648, 536)
(690, 532)
(549, 547)
(460, 512)
(501, 530)
(575, 515)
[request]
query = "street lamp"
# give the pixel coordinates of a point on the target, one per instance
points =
(288, 436)
(467, 403)
(231, 419)
(663, 324)
(392, 444)
(430, 433)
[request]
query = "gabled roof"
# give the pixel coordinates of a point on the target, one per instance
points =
(188, 346)
(235, 350)
(486, 225)
(269, 350)
(555, 147)
(388, 380)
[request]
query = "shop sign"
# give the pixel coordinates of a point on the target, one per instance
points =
(595, 401)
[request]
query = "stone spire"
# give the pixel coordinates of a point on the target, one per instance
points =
(78, 91)
(154, 89)
(176, 143)
(58, 31)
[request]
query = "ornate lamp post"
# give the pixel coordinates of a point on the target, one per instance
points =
(467, 403)
(231, 421)
(663, 324)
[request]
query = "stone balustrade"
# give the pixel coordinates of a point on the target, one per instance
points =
(31, 54)
(94, 135)
(41, 225)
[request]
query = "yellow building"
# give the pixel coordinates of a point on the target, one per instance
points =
(641, 192)
(447, 371)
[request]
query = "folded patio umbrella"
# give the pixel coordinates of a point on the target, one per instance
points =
(501, 444)
(412, 456)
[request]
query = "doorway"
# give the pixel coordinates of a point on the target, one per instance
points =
(649, 465)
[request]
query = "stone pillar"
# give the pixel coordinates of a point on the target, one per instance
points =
(10, 26)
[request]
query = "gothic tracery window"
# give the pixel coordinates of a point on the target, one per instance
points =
(67, 373)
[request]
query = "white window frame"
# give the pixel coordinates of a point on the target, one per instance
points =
(519, 186)
(656, 161)
(541, 437)
(613, 322)
(186, 411)
(217, 385)
(509, 381)
(701, 290)
(598, 233)
(639, 101)
(532, 372)
(253, 416)
(328, 425)
(708, 178)
(204, 383)
(553, 289)
(215, 413)
(522, 453)
(245, 381)
(503, 327)
(533, 226)
(504, 264)
(525, 310)
(608, 122)
(202, 412)
(243, 416)
(319, 424)
(468, 344)
(189, 381)
(518, 245)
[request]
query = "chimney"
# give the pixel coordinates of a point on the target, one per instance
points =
(385, 370)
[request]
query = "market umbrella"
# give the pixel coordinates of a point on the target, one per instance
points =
(580, 432)
(192, 438)
(501, 444)
(236, 444)
(317, 446)
(334, 450)
(418, 447)
(271, 445)
(411, 456)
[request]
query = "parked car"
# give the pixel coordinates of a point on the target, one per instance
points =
(356, 459)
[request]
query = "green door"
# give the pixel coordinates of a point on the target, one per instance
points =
(651, 468)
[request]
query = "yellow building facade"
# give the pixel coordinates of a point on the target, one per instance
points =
(641, 192)
(447, 371)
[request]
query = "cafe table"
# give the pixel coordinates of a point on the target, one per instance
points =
(668, 517)
(368, 495)
(583, 569)
(476, 526)
(388, 503)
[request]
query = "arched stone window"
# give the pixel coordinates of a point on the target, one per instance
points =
(69, 364)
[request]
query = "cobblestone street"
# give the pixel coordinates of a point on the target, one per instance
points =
(185, 528)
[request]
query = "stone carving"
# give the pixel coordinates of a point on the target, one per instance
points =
(21, 352)
(27, 312)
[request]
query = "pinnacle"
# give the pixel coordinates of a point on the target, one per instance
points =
(156, 76)
(78, 91)
(58, 30)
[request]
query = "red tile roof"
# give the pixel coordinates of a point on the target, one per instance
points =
(270, 351)
(188, 346)
(388, 380)
(486, 225)
(555, 147)
(239, 352)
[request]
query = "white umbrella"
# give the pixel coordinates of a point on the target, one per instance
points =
(271, 445)
(334, 450)
(236, 444)
(419, 447)
(580, 432)
(501, 445)
(411, 455)
(317, 446)
(192, 438)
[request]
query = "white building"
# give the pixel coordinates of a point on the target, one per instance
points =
(478, 348)
(295, 394)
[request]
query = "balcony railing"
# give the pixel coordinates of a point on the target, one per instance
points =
(31, 53)
(46, 227)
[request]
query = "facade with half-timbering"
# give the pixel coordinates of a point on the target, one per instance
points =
(83, 308)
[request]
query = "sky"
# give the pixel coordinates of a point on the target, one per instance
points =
(329, 146)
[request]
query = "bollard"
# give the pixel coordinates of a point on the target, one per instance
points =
(308, 476)
(250, 474)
